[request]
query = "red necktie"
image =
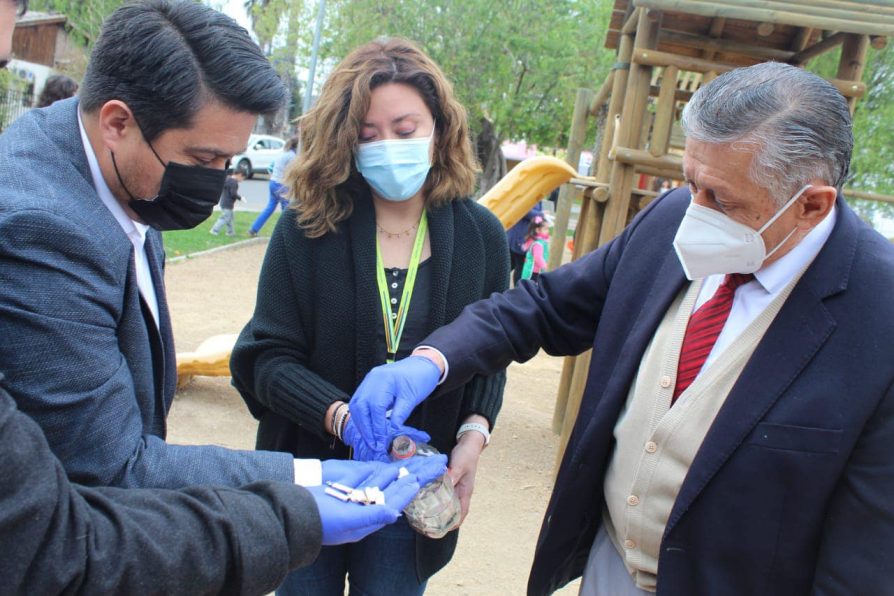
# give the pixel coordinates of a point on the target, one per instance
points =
(704, 327)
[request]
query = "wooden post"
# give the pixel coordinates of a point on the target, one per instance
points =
(664, 112)
(601, 95)
(853, 60)
(621, 179)
(638, 84)
(603, 171)
(820, 47)
(575, 145)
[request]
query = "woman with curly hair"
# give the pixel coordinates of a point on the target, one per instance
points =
(384, 248)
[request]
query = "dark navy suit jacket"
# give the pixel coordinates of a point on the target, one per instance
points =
(81, 353)
(792, 490)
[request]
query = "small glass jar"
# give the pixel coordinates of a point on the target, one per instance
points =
(436, 509)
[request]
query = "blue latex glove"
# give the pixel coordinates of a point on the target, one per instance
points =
(352, 473)
(398, 387)
(362, 451)
(348, 522)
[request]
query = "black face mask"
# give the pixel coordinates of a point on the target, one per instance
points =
(186, 198)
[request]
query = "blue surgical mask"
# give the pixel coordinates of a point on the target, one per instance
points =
(395, 169)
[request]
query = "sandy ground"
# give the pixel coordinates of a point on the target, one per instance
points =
(215, 294)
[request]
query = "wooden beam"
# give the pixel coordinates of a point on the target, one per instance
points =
(848, 88)
(801, 39)
(853, 60)
(814, 10)
(765, 15)
(867, 196)
(701, 42)
(638, 157)
(602, 95)
(575, 145)
(630, 24)
(679, 94)
(664, 112)
(820, 47)
(878, 42)
(861, 6)
(766, 29)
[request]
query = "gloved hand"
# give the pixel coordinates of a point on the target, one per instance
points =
(362, 451)
(348, 522)
(351, 473)
(398, 387)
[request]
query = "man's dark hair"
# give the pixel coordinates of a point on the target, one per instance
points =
(167, 59)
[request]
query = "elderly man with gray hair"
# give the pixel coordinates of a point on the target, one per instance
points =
(736, 426)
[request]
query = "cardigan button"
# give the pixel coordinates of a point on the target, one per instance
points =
(651, 447)
(665, 381)
(629, 544)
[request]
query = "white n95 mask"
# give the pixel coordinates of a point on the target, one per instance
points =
(708, 242)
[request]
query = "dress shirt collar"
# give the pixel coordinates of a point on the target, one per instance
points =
(134, 229)
(776, 275)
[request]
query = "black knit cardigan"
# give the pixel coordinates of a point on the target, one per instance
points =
(311, 339)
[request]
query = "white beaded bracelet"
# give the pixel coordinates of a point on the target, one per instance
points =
(474, 426)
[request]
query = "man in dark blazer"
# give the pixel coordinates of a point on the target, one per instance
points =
(783, 485)
(59, 537)
(172, 91)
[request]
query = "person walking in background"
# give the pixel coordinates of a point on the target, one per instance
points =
(516, 236)
(536, 248)
(56, 88)
(277, 188)
(228, 199)
(387, 246)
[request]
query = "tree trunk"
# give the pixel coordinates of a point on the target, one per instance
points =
(490, 157)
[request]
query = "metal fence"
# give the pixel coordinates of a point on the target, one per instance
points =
(13, 103)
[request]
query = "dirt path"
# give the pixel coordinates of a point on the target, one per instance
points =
(215, 294)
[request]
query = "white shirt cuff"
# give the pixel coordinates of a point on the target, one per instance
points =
(443, 359)
(308, 472)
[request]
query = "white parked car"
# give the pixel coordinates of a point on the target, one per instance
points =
(259, 157)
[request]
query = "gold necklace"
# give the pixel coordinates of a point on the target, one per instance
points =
(391, 235)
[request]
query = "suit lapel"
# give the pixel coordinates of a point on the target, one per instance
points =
(165, 364)
(797, 333)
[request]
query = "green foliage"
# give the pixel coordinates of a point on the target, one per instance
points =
(873, 129)
(515, 62)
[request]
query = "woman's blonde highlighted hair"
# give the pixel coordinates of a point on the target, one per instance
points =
(330, 133)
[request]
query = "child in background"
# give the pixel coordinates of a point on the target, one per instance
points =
(228, 199)
(536, 248)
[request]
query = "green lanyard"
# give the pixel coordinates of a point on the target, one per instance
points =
(394, 324)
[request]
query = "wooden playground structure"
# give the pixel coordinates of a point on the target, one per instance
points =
(665, 50)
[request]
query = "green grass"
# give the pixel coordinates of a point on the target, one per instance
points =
(186, 242)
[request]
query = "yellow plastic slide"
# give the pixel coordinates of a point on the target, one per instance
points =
(211, 359)
(528, 182)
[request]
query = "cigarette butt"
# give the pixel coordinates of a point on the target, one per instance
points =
(334, 493)
(341, 487)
